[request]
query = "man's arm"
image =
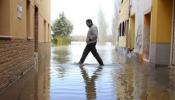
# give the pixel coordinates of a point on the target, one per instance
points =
(94, 33)
(93, 37)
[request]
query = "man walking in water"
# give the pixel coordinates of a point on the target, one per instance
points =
(91, 41)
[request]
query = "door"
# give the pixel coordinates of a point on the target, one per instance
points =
(132, 32)
(36, 29)
(147, 27)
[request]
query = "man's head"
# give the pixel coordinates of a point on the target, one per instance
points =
(89, 22)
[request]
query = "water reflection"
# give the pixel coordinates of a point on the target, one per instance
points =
(143, 82)
(62, 54)
(124, 82)
(42, 78)
(90, 82)
(69, 81)
(172, 85)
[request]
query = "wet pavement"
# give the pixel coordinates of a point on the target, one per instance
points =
(59, 77)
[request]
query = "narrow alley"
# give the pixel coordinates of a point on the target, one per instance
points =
(42, 41)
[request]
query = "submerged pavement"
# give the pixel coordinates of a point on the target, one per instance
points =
(58, 77)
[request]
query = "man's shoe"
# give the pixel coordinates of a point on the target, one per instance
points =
(101, 64)
(80, 64)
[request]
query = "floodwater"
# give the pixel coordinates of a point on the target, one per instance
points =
(58, 77)
(69, 81)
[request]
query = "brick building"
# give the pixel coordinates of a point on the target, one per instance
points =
(25, 25)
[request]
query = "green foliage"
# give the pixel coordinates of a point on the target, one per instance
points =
(62, 26)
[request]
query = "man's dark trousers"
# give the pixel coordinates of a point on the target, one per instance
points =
(91, 48)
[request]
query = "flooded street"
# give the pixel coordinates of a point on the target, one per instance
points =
(69, 81)
(119, 79)
(58, 77)
(42, 43)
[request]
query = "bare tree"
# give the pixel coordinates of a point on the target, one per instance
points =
(102, 26)
(115, 22)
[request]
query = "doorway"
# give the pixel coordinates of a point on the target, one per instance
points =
(132, 32)
(147, 30)
(36, 29)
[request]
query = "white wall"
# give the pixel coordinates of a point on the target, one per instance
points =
(139, 9)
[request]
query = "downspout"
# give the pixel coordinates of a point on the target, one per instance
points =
(172, 36)
(128, 36)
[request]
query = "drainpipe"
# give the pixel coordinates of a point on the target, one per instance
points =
(172, 36)
(129, 8)
(129, 14)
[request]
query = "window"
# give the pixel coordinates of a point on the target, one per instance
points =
(28, 23)
(48, 33)
(45, 33)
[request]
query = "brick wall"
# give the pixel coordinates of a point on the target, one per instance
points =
(16, 58)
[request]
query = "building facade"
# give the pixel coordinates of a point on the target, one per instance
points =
(151, 28)
(123, 23)
(25, 25)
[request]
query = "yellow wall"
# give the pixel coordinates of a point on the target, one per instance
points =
(123, 16)
(124, 11)
(44, 15)
(41, 29)
(161, 21)
(24, 28)
(4, 17)
(18, 26)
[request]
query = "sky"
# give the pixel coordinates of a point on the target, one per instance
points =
(77, 11)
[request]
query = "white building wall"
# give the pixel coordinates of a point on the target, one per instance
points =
(139, 9)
